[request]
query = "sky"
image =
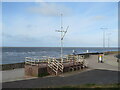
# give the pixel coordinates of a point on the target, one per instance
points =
(34, 24)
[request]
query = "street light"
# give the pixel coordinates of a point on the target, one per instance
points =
(104, 31)
(108, 39)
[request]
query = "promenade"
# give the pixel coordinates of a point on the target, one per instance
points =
(97, 73)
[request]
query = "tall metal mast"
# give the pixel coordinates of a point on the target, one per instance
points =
(104, 36)
(109, 39)
(62, 36)
(61, 40)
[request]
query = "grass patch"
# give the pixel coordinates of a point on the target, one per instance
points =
(92, 86)
(76, 87)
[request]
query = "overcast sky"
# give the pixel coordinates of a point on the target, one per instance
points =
(33, 24)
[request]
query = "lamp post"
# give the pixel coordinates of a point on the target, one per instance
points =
(104, 32)
(108, 39)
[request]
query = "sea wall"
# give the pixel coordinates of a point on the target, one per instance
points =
(22, 65)
(12, 66)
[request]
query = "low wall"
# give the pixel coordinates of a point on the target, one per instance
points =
(12, 66)
(21, 65)
(40, 70)
(36, 71)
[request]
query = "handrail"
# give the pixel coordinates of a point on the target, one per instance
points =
(55, 65)
(52, 69)
(30, 61)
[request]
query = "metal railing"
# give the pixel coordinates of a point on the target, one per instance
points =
(35, 61)
(45, 59)
(55, 65)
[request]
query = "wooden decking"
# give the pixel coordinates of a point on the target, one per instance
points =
(54, 66)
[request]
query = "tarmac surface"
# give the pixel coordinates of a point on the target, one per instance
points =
(93, 76)
(97, 73)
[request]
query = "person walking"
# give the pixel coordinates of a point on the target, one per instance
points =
(99, 58)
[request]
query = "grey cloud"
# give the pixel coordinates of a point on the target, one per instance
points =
(30, 41)
(23, 38)
(50, 9)
(27, 39)
(6, 35)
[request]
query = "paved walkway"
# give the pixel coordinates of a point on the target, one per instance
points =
(14, 75)
(10, 75)
(111, 60)
(110, 63)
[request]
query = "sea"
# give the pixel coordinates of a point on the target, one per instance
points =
(17, 54)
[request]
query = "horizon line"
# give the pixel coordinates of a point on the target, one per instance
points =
(54, 47)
